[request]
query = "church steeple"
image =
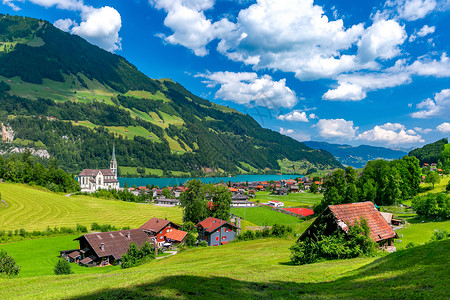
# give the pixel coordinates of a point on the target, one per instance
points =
(113, 163)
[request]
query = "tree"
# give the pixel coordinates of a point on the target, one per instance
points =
(314, 188)
(166, 192)
(8, 265)
(221, 203)
(62, 267)
(135, 256)
(193, 202)
(433, 178)
(447, 188)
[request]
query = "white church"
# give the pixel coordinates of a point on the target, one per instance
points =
(91, 180)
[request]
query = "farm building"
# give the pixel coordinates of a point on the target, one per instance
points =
(341, 216)
(106, 248)
(216, 232)
(241, 200)
(158, 228)
(275, 203)
(167, 202)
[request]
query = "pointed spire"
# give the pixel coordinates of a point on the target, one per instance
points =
(113, 152)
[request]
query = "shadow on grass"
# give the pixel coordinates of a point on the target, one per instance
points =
(417, 273)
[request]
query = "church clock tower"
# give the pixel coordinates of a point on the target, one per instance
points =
(113, 162)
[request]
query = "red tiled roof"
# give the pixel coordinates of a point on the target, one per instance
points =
(233, 190)
(300, 211)
(351, 212)
(259, 187)
(210, 224)
(156, 225)
(115, 243)
(176, 235)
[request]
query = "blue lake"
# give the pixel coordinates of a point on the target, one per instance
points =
(162, 182)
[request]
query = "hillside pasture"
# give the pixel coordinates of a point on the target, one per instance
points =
(305, 200)
(265, 216)
(34, 209)
(258, 269)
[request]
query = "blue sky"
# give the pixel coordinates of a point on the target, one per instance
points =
(356, 72)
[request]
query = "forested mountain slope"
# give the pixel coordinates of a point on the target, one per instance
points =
(62, 94)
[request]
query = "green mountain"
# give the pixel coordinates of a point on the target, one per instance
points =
(436, 152)
(74, 100)
(357, 157)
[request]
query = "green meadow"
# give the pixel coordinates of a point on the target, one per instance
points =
(34, 209)
(306, 200)
(250, 270)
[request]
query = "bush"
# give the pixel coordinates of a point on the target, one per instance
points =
(62, 267)
(8, 265)
(203, 244)
(439, 235)
(190, 239)
(410, 245)
(336, 245)
(135, 256)
(81, 228)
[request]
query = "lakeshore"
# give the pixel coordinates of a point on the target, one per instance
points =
(163, 182)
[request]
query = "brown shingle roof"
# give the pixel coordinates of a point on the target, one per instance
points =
(94, 172)
(115, 243)
(351, 212)
(156, 225)
(210, 224)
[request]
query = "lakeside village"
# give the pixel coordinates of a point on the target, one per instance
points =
(108, 248)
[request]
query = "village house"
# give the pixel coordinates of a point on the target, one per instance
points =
(106, 248)
(92, 179)
(158, 228)
(241, 200)
(275, 203)
(341, 216)
(216, 232)
(167, 202)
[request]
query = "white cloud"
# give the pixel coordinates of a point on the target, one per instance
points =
(251, 89)
(286, 131)
(313, 116)
(422, 130)
(189, 24)
(425, 30)
(444, 127)
(99, 26)
(428, 67)
(65, 24)
(393, 134)
(381, 40)
(345, 92)
(393, 126)
(336, 128)
(439, 106)
(11, 4)
(296, 115)
(412, 10)
(354, 87)
(299, 136)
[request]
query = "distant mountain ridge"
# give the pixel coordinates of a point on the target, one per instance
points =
(356, 157)
(62, 94)
(432, 153)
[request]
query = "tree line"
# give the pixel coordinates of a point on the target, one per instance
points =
(381, 182)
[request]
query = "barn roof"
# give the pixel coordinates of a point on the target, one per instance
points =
(176, 235)
(210, 224)
(347, 214)
(156, 225)
(115, 243)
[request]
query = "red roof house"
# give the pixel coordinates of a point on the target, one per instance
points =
(341, 216)
(216, 231)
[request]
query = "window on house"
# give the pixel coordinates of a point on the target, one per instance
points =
(161, 237)
(217, 238)
(224, 238)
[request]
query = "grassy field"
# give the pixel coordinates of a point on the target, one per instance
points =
(251, 270)
(417, 232)
(38, 257)
(307, 200)
(34, 209)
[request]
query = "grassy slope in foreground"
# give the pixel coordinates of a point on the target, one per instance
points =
(254, 269)
(34, 209)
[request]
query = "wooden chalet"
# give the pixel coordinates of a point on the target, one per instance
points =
(106, 248)
(341, 216)
(216, 231)
(158, 228)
